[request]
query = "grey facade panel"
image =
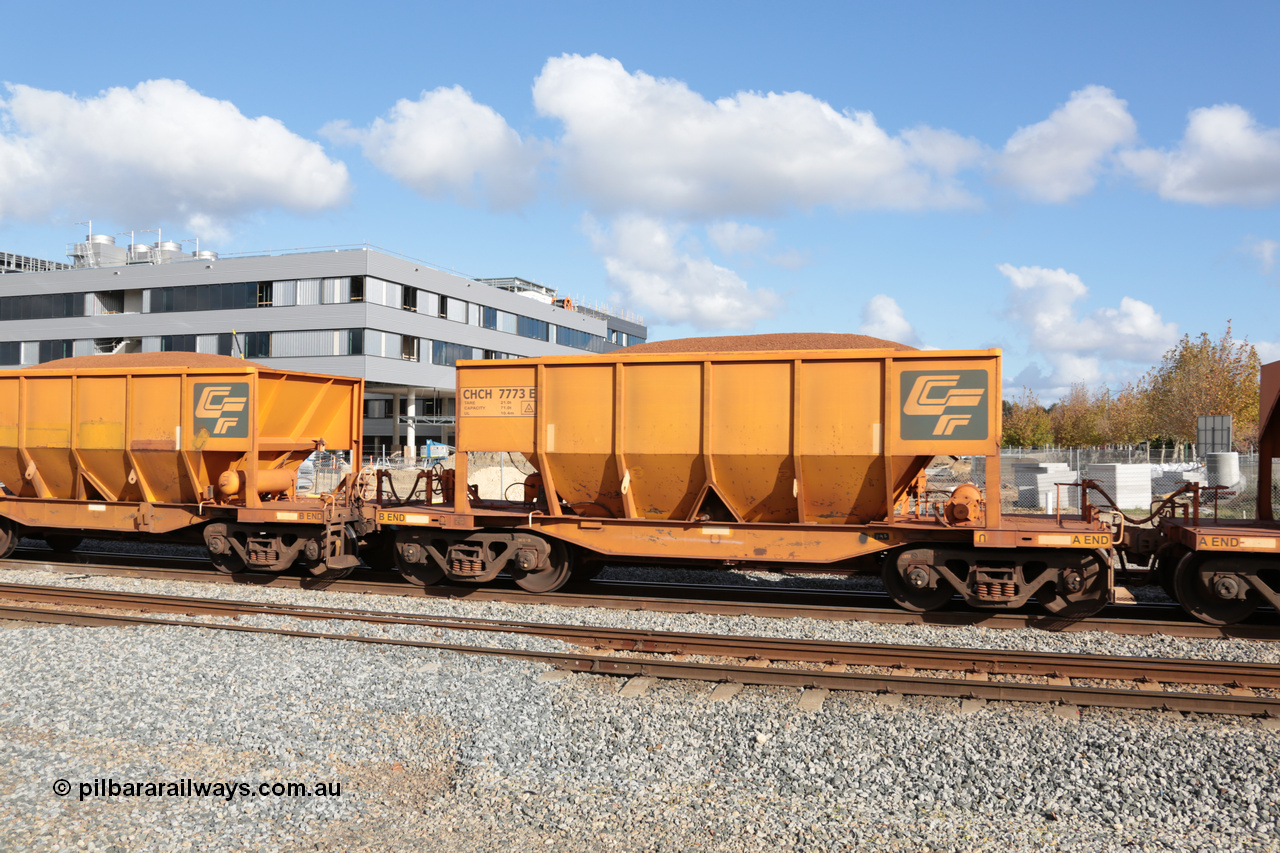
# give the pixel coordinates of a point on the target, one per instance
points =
(628, 327)
(284, 293)
(309, 323)
(312, 343)
(308, 291)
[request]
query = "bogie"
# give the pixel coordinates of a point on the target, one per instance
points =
(1068, 583)
(537, 563)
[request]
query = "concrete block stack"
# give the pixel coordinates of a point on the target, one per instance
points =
(1037, 484)
(1167, 482)
(1128, 485)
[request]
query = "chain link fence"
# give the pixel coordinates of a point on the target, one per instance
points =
(1033, 481)
(1037, 481)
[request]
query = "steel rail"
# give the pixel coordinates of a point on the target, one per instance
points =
(1181, 627)
(769, 676)
(832, 652)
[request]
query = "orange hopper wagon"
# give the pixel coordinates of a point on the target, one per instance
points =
(770, 458)
(178, 446)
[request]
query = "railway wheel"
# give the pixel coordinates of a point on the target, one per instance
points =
(1079, 592)
(1218, 598)
(551, 574)
(416, 565)
(9, 537)
(62, 542)
(224, 557)
(918, 596)
(1167, 569)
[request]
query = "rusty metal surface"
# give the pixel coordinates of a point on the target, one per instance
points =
(756, 437)
(757, 675)
(991, 661)
(118, 433)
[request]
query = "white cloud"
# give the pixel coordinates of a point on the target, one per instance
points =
(791, 259)
(1268, 351)
(636, 142)
(1061, 157)
(445, 144)
(649, 269)
(883, 318)
(1042, 302)
(735, 237)
(158, 152)
(1224, 158)
(1264, 251)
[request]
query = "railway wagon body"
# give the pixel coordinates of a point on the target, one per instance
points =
(180, 446)
(763, 458)
(1222, 569)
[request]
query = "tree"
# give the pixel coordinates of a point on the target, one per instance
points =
(1026, 422)
(1075, 419)
(1126, 418)
(1205, 377)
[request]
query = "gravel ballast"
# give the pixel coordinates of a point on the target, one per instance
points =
(440, 751)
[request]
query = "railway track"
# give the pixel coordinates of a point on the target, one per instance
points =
(672, 597)
(732, 660)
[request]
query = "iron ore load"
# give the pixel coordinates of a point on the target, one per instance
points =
(770, 452)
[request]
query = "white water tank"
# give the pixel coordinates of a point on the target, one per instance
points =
(1222, 469)
(167, 251)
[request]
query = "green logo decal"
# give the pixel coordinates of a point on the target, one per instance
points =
(944, 404)
(222, 408)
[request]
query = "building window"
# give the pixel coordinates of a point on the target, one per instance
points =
(109, 302)
(257, 345)
(355, 342)
(225, 342)
(579, 339)
(501, 321)
(357, 288)
(265, 294)
(10, 352)
(447, 354)
(409, 298)
(409, 348)
(527, 327)
(209, 297)
(177, 343)
(44, 306)
(54, 350)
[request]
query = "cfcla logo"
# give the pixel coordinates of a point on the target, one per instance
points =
(216, 403)
(932, 394)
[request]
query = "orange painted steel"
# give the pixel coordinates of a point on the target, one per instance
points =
(826, 437)
(1268, 435)
(85, 447)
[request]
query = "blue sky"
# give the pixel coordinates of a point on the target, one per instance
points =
(1079, 184)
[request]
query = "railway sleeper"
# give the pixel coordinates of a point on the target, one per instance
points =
(1068, 583)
